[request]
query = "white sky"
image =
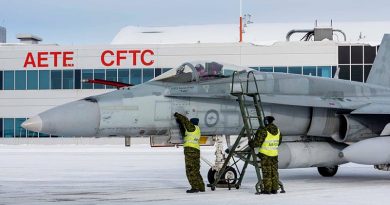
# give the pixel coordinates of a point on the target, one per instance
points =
(97, 21)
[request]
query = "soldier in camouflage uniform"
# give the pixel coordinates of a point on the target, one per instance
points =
(268, 140)
(191, 133)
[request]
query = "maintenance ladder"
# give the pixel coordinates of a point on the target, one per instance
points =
(248, 88)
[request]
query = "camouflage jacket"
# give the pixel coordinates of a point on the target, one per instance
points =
(184, 123)
(261, 134)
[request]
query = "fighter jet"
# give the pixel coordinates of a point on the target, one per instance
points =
(327, 122)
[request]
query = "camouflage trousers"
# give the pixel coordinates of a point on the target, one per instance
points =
(192, 161)
(269, 167)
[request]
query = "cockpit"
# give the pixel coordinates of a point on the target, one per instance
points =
(199, 71)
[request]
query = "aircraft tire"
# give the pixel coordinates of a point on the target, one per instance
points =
(211, 175)
(328, 171)
(230, 173)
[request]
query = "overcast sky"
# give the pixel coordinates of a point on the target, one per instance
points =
(97, 21)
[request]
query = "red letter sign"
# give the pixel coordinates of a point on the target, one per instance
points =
(42, 56)
(102, 58)
(143, 57)
(66, 58)
(29, 60)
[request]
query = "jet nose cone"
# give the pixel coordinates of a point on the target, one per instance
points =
(79, 118)
(33, 124)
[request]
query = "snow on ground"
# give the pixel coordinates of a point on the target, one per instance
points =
(111, 174)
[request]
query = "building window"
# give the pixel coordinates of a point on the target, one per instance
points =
(77, 79)
(369, 54)
(9, 127)
(124, 76)
(44, 79)
(1, 80)
(19, 130)
(157, 72)
(344, 54)
(367, 69)
(227, 71)
(280, 69)
(344, 72)
(56, 79)
(356, 54)
(99, 74)
(166, 69)
(43, 135)
(324, 71)
(87, 74)
(267, 69)
(1, 127)
(20, 80)
(310, 70)
(295, 70)
(111, 75)
(357, 73)
(135, 76)
(67, 81)
(334, 69)
(32, 80)
(148, 74)
(32, 134)
(9, 79)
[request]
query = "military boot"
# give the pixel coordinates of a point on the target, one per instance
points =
(190, 191)
(265, 192)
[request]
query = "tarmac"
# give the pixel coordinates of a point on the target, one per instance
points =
(114, 174)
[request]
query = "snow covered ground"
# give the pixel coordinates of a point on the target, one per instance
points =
(113, 174)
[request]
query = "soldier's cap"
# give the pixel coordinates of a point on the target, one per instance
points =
(268, 120)
(194, 121)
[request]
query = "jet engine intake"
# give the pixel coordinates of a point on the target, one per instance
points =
(325, 123)
(353, 129)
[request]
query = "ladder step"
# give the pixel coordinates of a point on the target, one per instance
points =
(253, 117)
(245, 93)
(252, 94)
(237, 93)
(254, 103)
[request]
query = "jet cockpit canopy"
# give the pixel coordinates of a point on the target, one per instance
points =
(199, 71)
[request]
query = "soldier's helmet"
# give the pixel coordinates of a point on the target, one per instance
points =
(194, 121)
(268, 120)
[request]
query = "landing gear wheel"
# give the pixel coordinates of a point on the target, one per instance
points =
(211, 175)
(230, 175)
(327, 171)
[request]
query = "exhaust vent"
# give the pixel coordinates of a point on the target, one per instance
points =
(28, 38)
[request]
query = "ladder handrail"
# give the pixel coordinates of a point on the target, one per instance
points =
(257, 100)
(241, 98)
(236, 74)
(254, 79)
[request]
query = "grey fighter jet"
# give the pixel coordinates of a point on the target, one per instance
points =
(327, 122)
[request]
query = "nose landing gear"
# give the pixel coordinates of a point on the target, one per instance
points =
(229, 176)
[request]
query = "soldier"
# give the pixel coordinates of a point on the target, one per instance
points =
(268, 140)
(191, 152)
